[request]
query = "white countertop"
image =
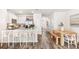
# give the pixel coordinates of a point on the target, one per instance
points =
(17, 35)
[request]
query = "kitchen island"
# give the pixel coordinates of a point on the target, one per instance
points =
(18, 36)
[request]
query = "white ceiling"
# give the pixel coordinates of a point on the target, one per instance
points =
(30, 11)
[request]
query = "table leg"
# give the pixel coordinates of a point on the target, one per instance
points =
(62, 39)
(56, 41)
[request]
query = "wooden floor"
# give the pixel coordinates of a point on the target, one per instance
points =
(44, 42)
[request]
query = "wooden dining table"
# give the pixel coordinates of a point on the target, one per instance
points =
(62, 33)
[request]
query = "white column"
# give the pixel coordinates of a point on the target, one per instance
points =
(37, 21)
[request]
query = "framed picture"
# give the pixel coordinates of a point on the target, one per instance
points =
(74, 19)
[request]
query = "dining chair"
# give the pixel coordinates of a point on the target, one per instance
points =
(70, 39)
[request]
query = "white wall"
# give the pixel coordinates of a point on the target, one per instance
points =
(74, 11)
(3, 17)
(59, 17)
(21, 18)
(44, 22)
